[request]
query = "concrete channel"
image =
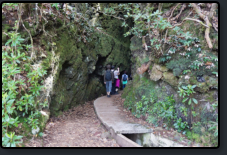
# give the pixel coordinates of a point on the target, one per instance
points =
(125, 133)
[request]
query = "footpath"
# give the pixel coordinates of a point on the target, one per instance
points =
(77, 127)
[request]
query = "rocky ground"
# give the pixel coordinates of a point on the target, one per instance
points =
(80, 127)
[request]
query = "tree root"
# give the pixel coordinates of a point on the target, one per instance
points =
(173, 11)
(192, 19)
(169, 19)
(45, 22)
(29, 35)
(177, 16)
(206, 19)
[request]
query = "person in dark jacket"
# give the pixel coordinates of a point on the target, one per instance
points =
(108, 80)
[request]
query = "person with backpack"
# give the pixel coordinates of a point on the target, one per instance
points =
(108, 80)
(124, 79)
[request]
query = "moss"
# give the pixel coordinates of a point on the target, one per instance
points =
(42, 121)
(170, 78)
(26, 25)
(150, 67)
(212, 82)
(210, 96)
(33, 33)
(196, 137)
(204, 86)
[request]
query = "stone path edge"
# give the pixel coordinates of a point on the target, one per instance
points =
(120, 139)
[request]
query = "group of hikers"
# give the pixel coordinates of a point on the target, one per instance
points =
(112, 81)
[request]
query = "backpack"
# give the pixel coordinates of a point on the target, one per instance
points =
(124, 77)
(108, 76)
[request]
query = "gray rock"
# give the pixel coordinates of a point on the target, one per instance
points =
(153, 140)
(155, 74)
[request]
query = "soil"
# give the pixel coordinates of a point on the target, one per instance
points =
(77, 127)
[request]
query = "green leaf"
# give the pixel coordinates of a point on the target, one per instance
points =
(10, 40)
(11, 101)
(189, 102)
(185, 99)
(8, 136)
(195, 101)
(8, 145)
(18, 137)
(13, 144)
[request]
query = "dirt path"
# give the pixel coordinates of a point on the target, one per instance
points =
(78, 127)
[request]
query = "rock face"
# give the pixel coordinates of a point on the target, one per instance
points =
(157, 72)
(79, 76)
(75, 65)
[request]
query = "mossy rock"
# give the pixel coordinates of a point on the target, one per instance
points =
(170, 78)
(161, 68)
(212, 82)
(43, 120)
(203, 87)
(211, 96)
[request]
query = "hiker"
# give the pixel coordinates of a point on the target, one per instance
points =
(108, 80)
(116, 80)
(113, 85)
(124, 79)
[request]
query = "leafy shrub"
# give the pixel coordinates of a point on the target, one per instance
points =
(142, 106)
(10, 139)
(20, 87)
(178, 65)
(181, 126)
